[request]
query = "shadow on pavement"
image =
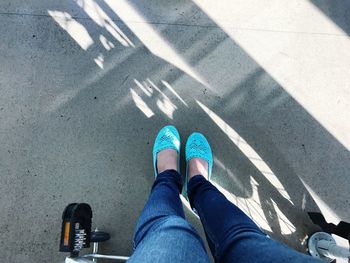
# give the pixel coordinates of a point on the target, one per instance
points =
(95, 136)
(338, 11)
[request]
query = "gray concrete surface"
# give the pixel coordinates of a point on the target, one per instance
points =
(85, 85)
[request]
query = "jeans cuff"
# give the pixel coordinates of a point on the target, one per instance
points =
(171, 175)
(193, 185)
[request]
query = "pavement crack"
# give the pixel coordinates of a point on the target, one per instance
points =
(184, 25)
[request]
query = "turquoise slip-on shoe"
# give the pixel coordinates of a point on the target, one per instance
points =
(197, 146)
(168, 138)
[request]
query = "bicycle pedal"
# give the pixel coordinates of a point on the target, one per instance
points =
(76, 228)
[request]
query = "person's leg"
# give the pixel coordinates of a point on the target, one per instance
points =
(232, 235)
(162, 233)
(163, 202)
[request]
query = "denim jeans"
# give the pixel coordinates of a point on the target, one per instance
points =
(163, 234)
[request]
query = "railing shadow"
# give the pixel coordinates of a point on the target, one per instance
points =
(103, 122)
(338, 11)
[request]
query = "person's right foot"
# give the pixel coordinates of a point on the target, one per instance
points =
(167, 160)
(197, 166)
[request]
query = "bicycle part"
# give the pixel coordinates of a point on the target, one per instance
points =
(342, 229)
(99, 236)
(323, 246)
(76, 228)
(105, 257)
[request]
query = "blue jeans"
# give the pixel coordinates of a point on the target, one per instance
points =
(163, 234)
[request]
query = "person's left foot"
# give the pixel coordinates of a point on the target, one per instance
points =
(167, 160)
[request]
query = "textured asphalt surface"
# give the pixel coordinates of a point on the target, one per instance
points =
(85, 85)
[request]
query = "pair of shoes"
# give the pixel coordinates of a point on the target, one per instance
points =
(197, 146)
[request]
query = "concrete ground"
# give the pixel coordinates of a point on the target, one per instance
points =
(86, 84)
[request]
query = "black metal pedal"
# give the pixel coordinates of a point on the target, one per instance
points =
(76, 228)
